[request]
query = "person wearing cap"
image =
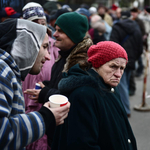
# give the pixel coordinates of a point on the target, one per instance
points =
(127, 33)
(34, 12)
(97, 29)
(97, 118)
(23, 50)
(70, 28)
(8, 12)
(70, 34)
(93, 10)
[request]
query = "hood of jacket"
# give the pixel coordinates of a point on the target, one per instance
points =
(76, 77)
(127, 25)
(22, 39)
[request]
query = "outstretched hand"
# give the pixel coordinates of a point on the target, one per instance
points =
(33, 93)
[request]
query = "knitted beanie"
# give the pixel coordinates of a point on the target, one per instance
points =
(104, 52)
(74, 25)
(32, 11)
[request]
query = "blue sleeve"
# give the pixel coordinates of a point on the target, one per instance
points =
(17, 129)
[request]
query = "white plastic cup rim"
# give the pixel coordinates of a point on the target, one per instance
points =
(58, 100)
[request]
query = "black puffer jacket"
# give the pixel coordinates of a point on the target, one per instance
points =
(127, 33)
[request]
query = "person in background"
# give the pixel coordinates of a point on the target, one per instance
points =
(85, 12)
(50, 6)
(84, 5)
(8, 12)
(97, 118)
(97, 29)
(102, 11)
(23, 50)
(145, 17)
(93, 11)
(34, 12)
(112, 11)
(107, 20)
(118, 15)
(135, 16)
(65, 6)
(127, 33)
(54, 17)
(139, 69)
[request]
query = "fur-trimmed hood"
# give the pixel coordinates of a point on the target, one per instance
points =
(78, 54)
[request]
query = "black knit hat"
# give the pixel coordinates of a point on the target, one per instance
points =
(74, 25)
(58, 13)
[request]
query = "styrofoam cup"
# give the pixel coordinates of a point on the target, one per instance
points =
(58, 100)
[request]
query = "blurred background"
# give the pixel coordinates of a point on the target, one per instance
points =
(18, 4)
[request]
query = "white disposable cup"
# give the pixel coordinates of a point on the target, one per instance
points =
(58, 100)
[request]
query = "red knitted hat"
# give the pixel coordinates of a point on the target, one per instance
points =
(104, 52)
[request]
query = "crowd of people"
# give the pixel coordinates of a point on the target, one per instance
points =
(91, 55)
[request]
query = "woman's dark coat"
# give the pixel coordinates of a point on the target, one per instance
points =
(97, 119)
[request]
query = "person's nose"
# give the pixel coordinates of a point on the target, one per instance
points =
(118, 73)
(47, 56)
(55, 34)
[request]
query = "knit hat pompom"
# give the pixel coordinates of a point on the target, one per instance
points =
(74, 25)
(104, 52)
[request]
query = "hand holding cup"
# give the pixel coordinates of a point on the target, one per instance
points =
(58, 100)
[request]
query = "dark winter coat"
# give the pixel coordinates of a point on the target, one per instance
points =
(51, 87)
(141, 25)
(97, 119)
(127, 33)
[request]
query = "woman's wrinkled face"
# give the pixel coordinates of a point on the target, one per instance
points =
(112, 71)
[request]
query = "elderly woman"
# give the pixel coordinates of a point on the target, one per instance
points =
(97, 119)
